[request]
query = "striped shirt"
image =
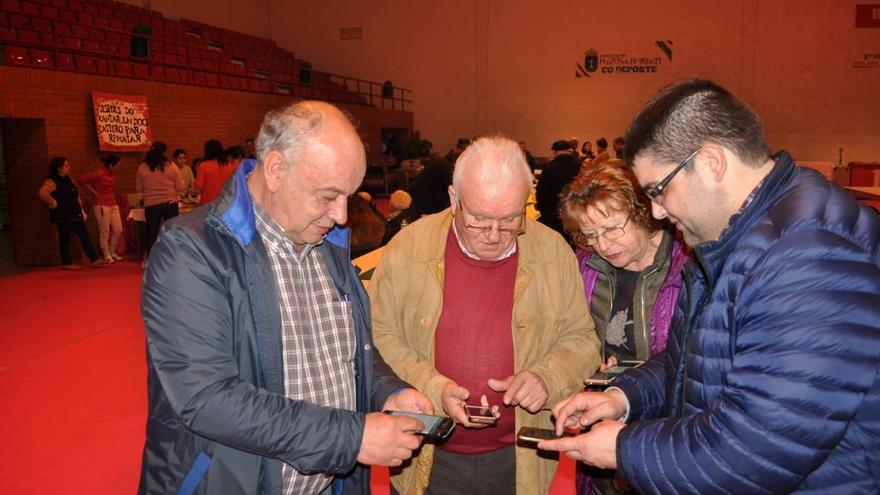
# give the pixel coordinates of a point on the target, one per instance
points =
(318, 338)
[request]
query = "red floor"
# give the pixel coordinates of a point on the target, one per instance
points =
(73, 384)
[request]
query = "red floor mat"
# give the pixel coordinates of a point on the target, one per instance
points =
(73, 384)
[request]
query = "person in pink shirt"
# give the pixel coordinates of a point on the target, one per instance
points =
(214, 171)
(102, 183)
(159, 182)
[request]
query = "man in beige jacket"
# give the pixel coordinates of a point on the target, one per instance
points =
(479, 304)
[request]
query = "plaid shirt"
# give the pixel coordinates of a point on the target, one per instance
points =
(318, 336)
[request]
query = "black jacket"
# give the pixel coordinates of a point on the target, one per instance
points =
(215, 362)
(554, 177)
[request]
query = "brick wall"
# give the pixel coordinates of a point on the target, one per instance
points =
(49, 113)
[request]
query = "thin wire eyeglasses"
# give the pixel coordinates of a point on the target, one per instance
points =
(610, 234)
(496, 224)
(656, 192)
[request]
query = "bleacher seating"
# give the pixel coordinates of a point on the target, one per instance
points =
(104, 37)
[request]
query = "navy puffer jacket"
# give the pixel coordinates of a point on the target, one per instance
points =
(770, 382)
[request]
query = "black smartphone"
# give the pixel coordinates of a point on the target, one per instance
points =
(481, 415)
(436, 427)
(534, 435)
(604, 378)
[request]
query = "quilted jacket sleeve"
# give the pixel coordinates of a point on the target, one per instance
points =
(805, 321)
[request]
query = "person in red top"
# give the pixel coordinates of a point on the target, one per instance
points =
(214, 170)
(102, 183)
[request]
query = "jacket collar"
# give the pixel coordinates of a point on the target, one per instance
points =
(234, 210)
(713, 254)
(528, 245)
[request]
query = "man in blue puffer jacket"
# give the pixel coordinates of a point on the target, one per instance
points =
(770, 381)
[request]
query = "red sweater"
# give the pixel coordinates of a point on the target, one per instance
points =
(104, 184)
(473, 341)
(211, 178)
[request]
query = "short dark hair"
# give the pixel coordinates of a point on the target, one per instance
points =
(111, 160)
(688, 114)
(214, 150)
(560, 145)
(55, 165)
(236, 152)
(602, 143)
(178, 152)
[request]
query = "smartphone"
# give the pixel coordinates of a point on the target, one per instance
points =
(604, 378)
(436, 427)
(481, 414)
(534, 435)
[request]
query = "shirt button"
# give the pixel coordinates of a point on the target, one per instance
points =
(425, 321)
(367, 347)
(440, 265)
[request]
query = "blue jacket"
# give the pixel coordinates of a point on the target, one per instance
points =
(770, 381)
(217, 410)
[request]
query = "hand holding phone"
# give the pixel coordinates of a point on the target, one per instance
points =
(530, 435)
(435, 428)
(605, 378)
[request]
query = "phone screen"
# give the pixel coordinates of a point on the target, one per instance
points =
(480, 414)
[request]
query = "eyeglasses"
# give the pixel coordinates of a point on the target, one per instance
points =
(656, 192)
(511, 226)
(610, 234)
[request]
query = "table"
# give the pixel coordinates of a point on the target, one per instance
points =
(864, 192)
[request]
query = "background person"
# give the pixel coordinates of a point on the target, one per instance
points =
(159, 183)
(66, 212)
(180, 159)
(214, 170)
(631, 267)
(102, 183)
(554, 177)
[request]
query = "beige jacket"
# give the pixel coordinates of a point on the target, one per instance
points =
(553, 334)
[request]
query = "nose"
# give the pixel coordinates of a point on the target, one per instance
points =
(658, 211)
(494, 234)
(338, 211)
(600, 244)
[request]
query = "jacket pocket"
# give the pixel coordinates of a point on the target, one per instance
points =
(196, 473)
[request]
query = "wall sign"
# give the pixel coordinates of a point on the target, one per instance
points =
(122, 122)
(647, 58)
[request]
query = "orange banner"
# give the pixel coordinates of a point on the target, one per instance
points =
(122, 122)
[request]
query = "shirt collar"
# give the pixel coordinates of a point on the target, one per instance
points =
(275, 237)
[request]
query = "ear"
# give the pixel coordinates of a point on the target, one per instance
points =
(453, 199)
(715, 161)
(275, 170)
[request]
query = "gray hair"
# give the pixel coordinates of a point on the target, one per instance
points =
(505, 154)
(287, 131)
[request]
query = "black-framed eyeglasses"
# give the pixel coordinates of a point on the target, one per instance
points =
(609, 234)
(511, 226)
(656, 192)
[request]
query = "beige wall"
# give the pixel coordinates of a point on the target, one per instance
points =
(479, 66)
